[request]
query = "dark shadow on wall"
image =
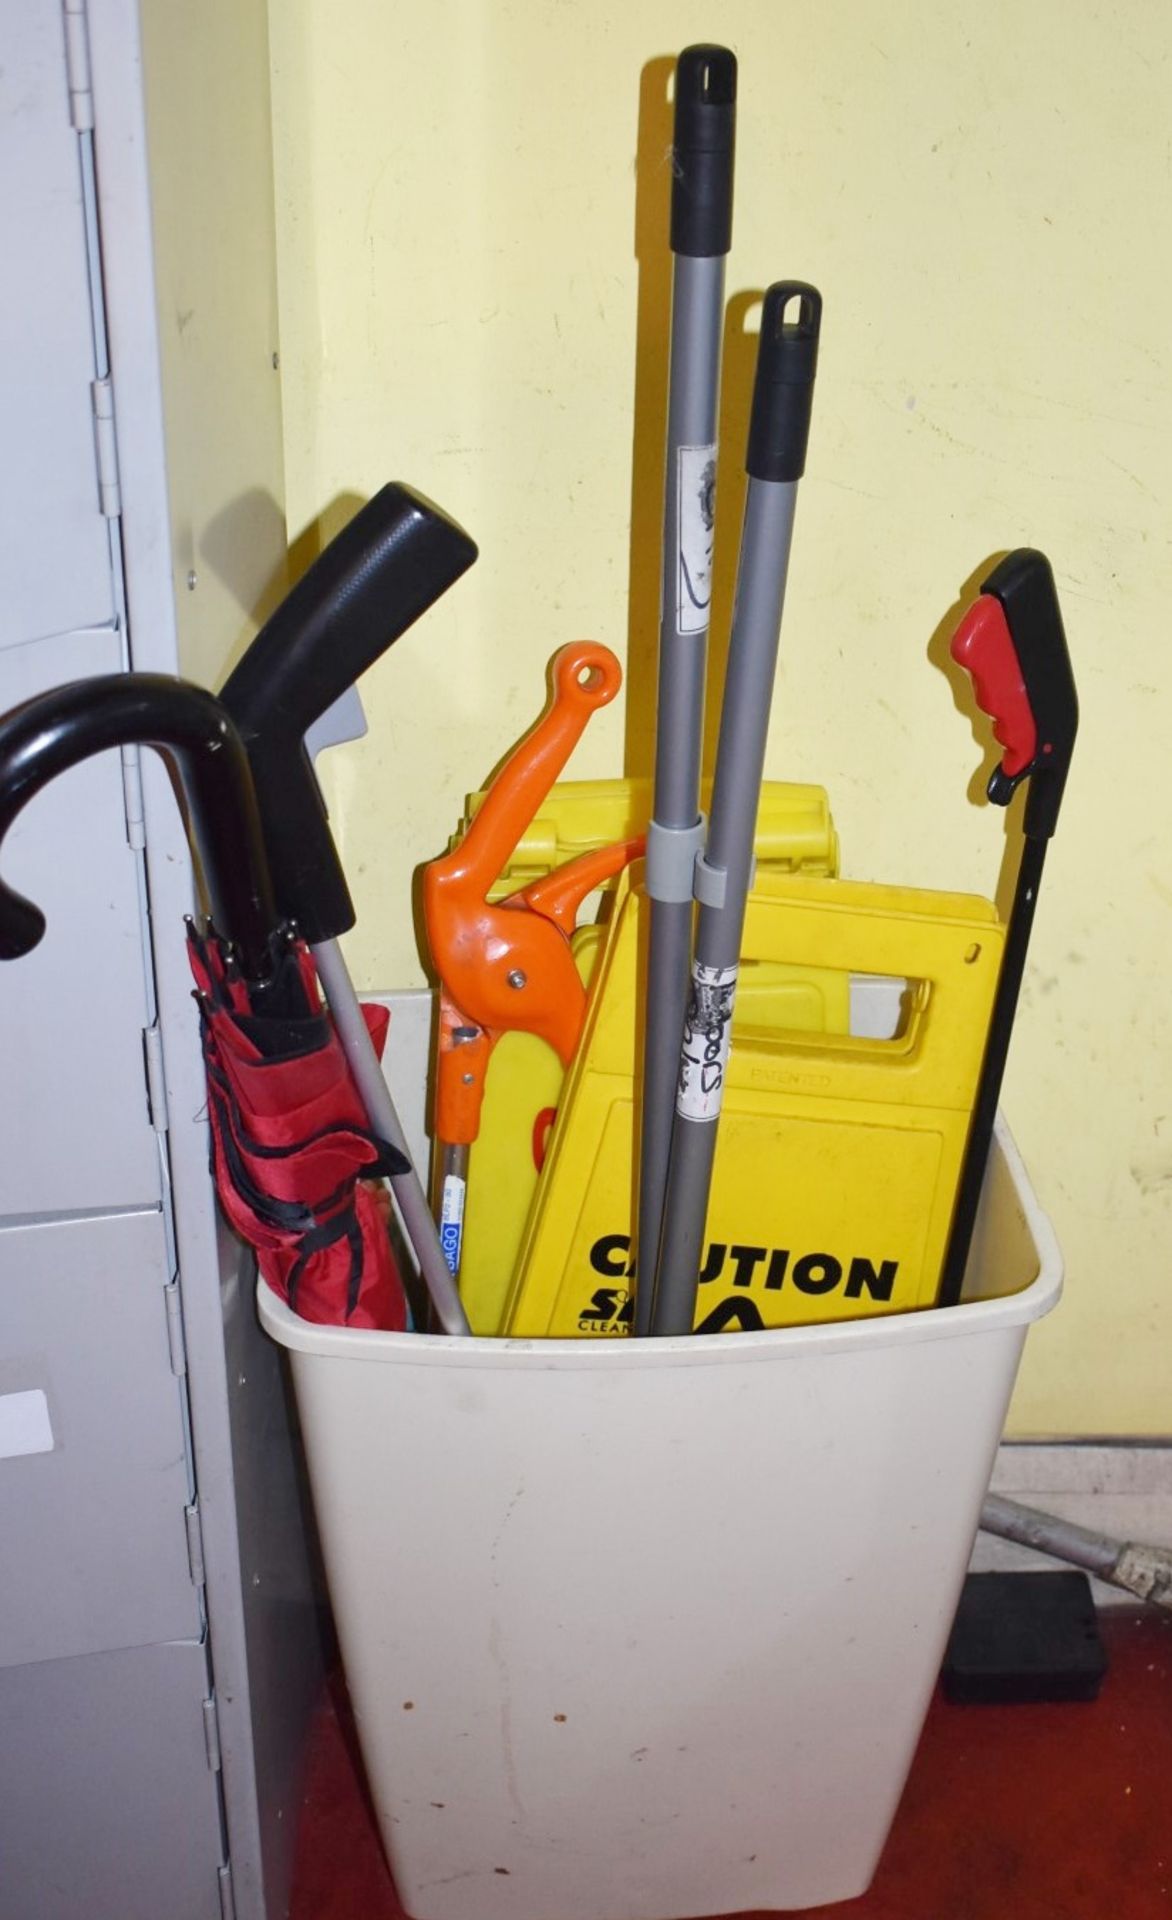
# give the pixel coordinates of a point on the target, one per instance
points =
(739, 362)
(652, 338)
(254, 520)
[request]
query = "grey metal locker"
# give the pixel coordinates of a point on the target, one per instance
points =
(159, 1649)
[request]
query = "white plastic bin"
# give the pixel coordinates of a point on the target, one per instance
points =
(642, 1630)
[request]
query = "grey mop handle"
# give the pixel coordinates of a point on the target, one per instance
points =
(1137, 1568)
(406, 1190)
(778, 433)
(701, 227)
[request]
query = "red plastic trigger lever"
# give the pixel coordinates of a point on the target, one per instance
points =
(983, 646)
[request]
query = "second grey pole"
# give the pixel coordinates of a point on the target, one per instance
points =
(778, 432)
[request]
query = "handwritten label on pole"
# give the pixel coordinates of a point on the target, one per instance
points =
(707, 1039)
(696, 478)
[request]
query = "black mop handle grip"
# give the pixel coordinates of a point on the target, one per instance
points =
(388, 565)
(703, 152)
(49, 734)
(783, 392)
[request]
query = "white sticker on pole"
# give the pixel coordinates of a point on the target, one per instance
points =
(696, 492)
(451, 1225)
(707, 1040)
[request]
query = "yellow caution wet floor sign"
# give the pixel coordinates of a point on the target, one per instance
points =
(838, 1155)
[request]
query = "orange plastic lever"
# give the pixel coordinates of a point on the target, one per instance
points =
(501, 967)
(507, 965)
(465, 1049)
(558, 895)
(461, 1064)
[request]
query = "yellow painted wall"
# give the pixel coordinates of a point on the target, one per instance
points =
(473, 285)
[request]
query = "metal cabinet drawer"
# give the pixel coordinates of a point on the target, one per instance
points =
(75, 1130)
(54, 543)
(108, 1806)
(93, 1461)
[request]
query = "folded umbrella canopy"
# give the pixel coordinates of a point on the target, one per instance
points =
(295, 1163)
(292, 1153)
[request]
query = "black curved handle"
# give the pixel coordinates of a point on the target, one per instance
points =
(783, 391)
(703, 152)
(52, 732)
(386, 567)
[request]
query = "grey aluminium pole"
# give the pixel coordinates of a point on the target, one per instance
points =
(343, 721)
(406, 1188)
(701, 228)
(779, 429)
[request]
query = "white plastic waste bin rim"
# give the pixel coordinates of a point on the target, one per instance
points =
(695, 1350)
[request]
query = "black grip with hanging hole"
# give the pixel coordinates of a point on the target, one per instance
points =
(783, 392)
(703, 151)
(387, 566)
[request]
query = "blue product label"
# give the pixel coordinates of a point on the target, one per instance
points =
(451, 1226)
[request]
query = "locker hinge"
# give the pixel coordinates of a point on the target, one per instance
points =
(156, 1079)
(227, 1897)
(132, 798)
(77, 67)
(106, 444)
(195, 1544)
(211, 1733)
(176, 1338)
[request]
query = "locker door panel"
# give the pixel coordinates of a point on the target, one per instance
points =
(54, 544)
(107, 1803)
(93, 1467)
(78, 1136)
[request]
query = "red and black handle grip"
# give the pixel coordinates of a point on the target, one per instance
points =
(1013, 645)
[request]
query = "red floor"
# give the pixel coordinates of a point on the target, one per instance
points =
(1011, 1813)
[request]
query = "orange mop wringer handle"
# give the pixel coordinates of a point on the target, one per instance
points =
(508, 965)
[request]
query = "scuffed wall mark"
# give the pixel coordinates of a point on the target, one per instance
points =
(1152, 1175)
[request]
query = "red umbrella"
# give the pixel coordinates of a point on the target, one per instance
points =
(295, 1163)
(291, 1150)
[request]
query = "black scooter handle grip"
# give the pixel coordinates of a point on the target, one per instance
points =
(387, 566)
